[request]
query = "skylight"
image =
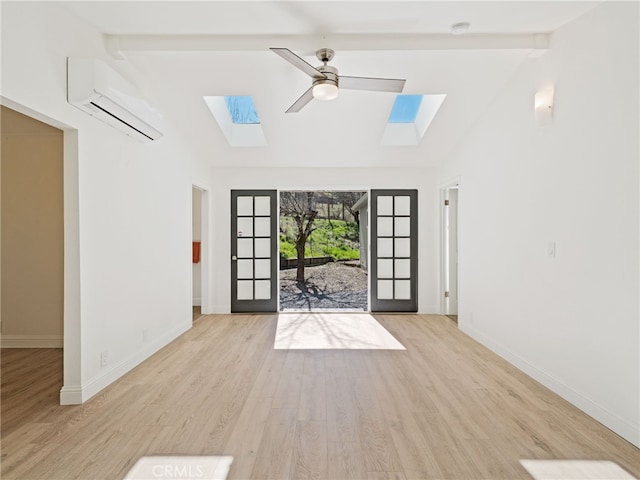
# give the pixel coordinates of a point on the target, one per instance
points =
(238, 119)
(410, 118)
(242, 109)
(405, 109)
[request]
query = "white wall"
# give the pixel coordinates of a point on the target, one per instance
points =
(131, 254)
(571, 321)
(227, 179)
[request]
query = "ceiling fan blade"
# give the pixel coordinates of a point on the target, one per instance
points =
(298, 62)
(375, 84)
(301, 102)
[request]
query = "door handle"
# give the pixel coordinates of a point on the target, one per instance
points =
(234, 258)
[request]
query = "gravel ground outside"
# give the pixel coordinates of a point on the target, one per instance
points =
(334, 286)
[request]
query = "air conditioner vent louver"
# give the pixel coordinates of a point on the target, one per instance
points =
(124, 122)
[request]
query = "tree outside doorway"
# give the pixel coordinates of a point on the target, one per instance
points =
(320, 251)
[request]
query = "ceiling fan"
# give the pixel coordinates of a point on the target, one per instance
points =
(326, 79)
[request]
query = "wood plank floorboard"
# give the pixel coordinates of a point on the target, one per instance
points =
(444, 408)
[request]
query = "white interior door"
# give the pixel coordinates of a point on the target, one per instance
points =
(452, 251)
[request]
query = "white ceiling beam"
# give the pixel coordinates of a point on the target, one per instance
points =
(118, 45)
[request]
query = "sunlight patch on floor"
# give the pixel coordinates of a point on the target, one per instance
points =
(575, 470)
(349, 331)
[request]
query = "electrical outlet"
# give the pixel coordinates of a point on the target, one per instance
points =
(104, 358)
(145, 335)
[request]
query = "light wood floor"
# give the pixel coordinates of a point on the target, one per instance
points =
(445, 408)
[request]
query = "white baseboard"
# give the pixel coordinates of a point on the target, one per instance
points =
(71, 395)
(428, 310)
(626, 429)
(31, 341)
(218, 309)
(197, 302)
(77, 394)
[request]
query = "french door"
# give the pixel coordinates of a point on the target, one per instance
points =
(394, 250)
(254, 251)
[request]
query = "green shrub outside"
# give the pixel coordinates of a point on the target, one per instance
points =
(337, 239)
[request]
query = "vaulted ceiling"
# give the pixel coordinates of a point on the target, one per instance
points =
(178, 52)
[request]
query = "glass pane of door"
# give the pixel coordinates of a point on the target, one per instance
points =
(253, 251)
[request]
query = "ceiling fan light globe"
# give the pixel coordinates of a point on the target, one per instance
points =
(325, 91)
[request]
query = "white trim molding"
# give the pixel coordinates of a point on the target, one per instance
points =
(31, 341)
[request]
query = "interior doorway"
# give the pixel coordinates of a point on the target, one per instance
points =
(33, 264)
(450, 250)
(322, 257)
(196, 223)
(32, 232)
(69, 338)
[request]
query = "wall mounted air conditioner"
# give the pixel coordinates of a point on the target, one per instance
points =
(100, 91)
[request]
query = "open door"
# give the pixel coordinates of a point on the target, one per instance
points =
(451, 231)
(254, 251)
(394, 250)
